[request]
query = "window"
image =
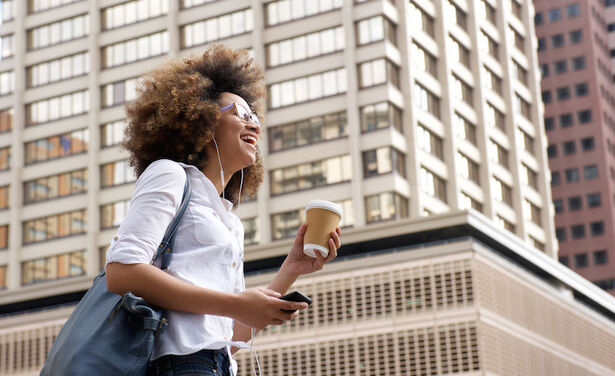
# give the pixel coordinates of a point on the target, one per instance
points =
(520, 73)
(526, 141)
(466, 202)
(538, 18)
(575, 203)
(117, 93)
(35, 6)
(597, 228)
(307, 88)
(590, 172)
(532, 211)
(250, 234)
(281, 11)
(501, 191)
(308, 131)
(456, 15)
(464, 129)
(573, 10)
(58, 69)
(542, 44)
(462, 91)
(560, 234)
(421, 20)
(555, 178)
(380, 115)
(424, 60)
(516, 8)
(56, 108)
(572, 175)
(498, 154)
(522, 107)
(136, 49)
(549, 124)
(115, 173)
(5, 158)
(517, 38)
(544, 70)
(55, 226)
(495, 117)
(54, 186)
(565, 120)
(212, 29)
(377, 72)
(593, 200)
(584, 116)
(546, 96)
(385, 206)
(563, 93)
(468, 168)
(560, 67)
(487, 45)
(610, 27)
(132, 12)
(59, 32)
(580, 260)
(552, 151)
(529, 177)
(58, 146)
(7, 46)
(578, 63)
(581, 89)
(601, 257)
(558, 205)
(507, 225)
(432, 184)
(569, 147)
(563, 260)
(557, 40)
(284, 225)
(375, 29)
(588, 144)
(554, 14)
(7, 10)
(311, 175)
(487, 11)
(111, 134)
(458, 52)
(576, 36)
(112, 215)
(7, 82)
(383, 160)
(429, 142)
(53, 268)
(426, 100)
(306, 46)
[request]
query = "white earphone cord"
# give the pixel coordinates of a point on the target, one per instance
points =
(253, 354)
(222, 175)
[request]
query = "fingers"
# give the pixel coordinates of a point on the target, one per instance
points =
(300, 234)
(271, 293)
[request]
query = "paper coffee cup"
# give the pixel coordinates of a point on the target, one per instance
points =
(322, 217)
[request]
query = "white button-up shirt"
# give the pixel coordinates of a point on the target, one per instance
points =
(208, 249)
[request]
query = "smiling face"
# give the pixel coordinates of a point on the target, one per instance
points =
(236, 138)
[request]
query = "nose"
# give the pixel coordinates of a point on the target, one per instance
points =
(253, 126)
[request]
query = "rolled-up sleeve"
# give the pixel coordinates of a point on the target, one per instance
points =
(157, 196)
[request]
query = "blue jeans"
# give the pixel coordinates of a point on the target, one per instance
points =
(202, 363)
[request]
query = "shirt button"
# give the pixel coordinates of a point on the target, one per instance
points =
(234, 264)
(115, 238)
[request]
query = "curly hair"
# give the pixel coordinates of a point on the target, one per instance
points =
(176, 112)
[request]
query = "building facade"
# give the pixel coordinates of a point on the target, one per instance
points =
(579, 101)
(397, 110)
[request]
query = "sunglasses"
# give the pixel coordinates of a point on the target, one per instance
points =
(244, 114)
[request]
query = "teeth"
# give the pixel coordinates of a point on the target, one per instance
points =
(249, 139)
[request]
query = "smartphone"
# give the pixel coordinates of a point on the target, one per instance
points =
(295, 296)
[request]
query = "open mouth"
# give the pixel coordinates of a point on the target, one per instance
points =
(249, 139)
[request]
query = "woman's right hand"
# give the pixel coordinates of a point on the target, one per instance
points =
(259, 307)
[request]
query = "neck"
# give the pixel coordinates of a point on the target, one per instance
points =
(212, 171)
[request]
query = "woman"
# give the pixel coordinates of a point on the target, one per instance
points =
(196, 116)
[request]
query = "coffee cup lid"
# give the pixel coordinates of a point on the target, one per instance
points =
(324, 204)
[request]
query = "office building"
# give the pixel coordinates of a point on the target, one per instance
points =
(579, 101)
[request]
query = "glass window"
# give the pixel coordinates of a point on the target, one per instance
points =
(380, 115)
(286, 10)
(116, 173)
(580, 260)
(572, 175)
(319, 85)
(558, 205)
(112, 215)
(594, 200)
(555, 178)
(304, 132)
(590, 172)
(468, 168)
(576, 36)
(57, 146)
(55, 226)
(458, 52)
(597, 228)
(578, 63)
(305, 46)
(575, 203)
(432, 184)
(429, 142)
(7, 46)
(554, 14)
(55, 186)
(49, 109)
(5, 158)
(385, 206)
(601, 257)
(424, 60)
(557, 40)
(565, 120)
(584, 116)
(132, 11)
(501, 191)
(58, 32)
(573, 10)
(464, 129)
(498, 154)
(311, 174)
(382, 161)
(426, 101)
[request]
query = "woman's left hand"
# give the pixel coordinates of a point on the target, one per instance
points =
(299, 263)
